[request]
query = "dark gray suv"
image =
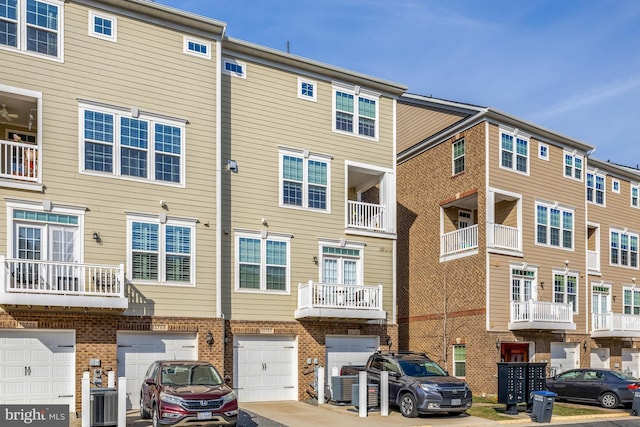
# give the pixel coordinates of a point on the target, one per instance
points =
(419, 385)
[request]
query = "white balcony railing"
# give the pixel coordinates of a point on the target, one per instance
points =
(616, 324)
(506, 237)
(30, 277)
(19, 160)
(460, 240)
(350, 297)
(366, 216)
(593, 261)
(541, 312)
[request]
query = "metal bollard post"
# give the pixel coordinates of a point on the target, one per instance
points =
(122, 401)
(362, 394)
(384, 393)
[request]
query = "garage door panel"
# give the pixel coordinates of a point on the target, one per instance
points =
(348, 350)
(136, 351)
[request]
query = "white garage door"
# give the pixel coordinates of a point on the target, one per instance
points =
(348, 350)
(564, 356)
(265, 368)
(137, 350)
(37, 367)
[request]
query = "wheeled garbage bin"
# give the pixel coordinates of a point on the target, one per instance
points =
(542, 406)
(635, 409)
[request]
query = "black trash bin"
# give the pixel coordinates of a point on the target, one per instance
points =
(103, 407)
(542, 406)
(635, 409)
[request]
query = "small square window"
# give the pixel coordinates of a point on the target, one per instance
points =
(197, 47)
(102, 26)
(234, 68)
(543, 151)
(615, 186)
(307, 89)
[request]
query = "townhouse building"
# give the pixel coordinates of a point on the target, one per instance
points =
(170, 193)
(501, 224)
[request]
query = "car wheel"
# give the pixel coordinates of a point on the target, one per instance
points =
(155, 417)
(144, 414)
(609, 400)
(408, 406)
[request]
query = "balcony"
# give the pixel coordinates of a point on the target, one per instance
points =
(324, 301)
(505, 237)
(615, 325)
(19, 161)
(366, 216)
(593, 261)
(61, 284)
(541, 315)
(459, 241)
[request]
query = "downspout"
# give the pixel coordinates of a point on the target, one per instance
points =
(218, 160)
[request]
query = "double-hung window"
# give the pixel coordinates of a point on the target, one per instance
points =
(262, 262)
(356, 112)
(304, 180)
(595, 188)
(635, 196)
(624, 249)
(565, 288)
(143, 148)
(554, 226)
(458, 156)
(573, 166)
(32, 26)
(459, 360)
(514, 151)
(631, 301)
(160, 251)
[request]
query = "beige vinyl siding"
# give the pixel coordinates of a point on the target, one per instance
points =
(417, 124)
(260, 114)
(146, 68)
(545, 182)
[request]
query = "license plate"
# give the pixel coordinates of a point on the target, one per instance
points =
(456, 402)
(204, 415)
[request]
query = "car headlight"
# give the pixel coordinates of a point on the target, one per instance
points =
(170, 399)
(429, 387)
(229, 397)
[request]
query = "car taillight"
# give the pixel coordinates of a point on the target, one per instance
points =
(634, 386)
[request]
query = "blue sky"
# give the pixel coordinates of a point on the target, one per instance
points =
(572, 66)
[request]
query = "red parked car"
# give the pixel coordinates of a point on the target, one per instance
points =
(180, 393)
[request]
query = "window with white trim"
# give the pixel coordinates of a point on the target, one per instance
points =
(160, 251)
(304, 180)
(458, 154)
(307, 89)
(554, 226)
(514, 151)
(459, 360)
(635, 190)
(196, 47)
(234, 68)
(624, 249)
(341, 265)
(595, 188)
(262, 262)
(565, 288)
(143, 148)
(32, 26)
(102, 26)
(615, 185)
(631, 300)
(523, 282)
(543, 151)
(573, 166)
(355, 112)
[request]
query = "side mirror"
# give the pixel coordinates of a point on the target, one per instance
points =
(227, 379)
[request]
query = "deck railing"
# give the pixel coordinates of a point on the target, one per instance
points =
(19, 160)
(355, 297)
(506, 237)
(541, 311)
(460, 240)
(366, 216)
(616, 322)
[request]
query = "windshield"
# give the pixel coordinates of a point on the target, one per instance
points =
(422, 368)
(184, 375)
